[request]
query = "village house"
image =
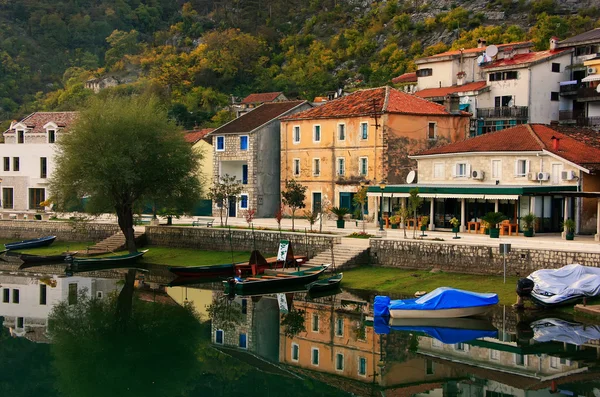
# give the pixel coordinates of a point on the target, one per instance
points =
(362, 138)
(530, 168)
(253, 101)
(202, 143)
(28, 161)
(249, 149)
(406, 82)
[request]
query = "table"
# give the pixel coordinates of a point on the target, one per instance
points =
(474, 223)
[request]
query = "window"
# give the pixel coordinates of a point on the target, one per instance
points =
(494, 355)
(342, 132)
(7, 164)
(364, 131)
(497, 169)
(244, 142)
(43, 167)
(438, 171)
(317, 133)
(339, 362)
(51, 136)
(461, 347)
(43, 294)
(424, 72)
(220, 144)
(16, 164)
(296, 167)
(586, 50)
(520, 360)
(6, 295)
(99, 294)
(36, 196)
(429, 370)
(556, 67)
(339, 326)
(521, 167)
(7, 197)
(363, 166)
(554, 361)
(341, 166)
(314, 356)
(432, 131)
(499, 76)
(243, 343)
(72, 294)
(362, 366)
(21, 136)
(20, 322)
(554, 96)
(219, 336)
(296, 134)
(503, 101)
(316, 167)
(462, 170)
(15, 296)
(295, 352)
(244, 306)
(243, 201)
(315, 322)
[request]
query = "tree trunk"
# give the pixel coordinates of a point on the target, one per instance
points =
(169, 220)
(125, 300)
(125, 218)
(293, 216)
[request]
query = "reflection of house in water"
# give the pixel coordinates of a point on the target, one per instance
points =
(27, 300)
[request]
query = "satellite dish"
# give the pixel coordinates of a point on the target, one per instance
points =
(411, 177)
(491, 51)
(598, 89)
(480, 59)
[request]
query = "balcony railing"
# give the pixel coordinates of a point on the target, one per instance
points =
(570, 89)
(588, 121)
(588, 94)
(505, 112)
(566, 115)
(577, 117)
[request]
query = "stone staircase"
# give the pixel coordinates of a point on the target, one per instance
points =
(114, 243)
(345, 256)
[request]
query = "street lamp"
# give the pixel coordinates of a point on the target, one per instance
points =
(382, 187)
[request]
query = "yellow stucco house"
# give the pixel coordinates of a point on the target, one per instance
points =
(201, 143)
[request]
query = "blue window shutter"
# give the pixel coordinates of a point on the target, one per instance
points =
(245, 174)
(244, 143)
(220, 143)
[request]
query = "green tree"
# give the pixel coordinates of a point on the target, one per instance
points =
(226, 188)
(414, 203)
(293, 196)
(121, 152)
(360, 199)
(121, 44)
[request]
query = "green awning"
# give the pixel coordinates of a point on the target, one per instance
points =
(469, 191)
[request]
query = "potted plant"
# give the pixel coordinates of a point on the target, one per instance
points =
(569, 229)
(486, 227)
(528, 224)
(455, 224)
(424, 223)
(493, 219)
(395, 220)
(340, 212)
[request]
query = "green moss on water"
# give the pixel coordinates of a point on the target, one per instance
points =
(191, 256)
(407, 282)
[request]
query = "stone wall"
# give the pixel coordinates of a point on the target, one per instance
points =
(477, 259)
(216, 239)
(64, 231)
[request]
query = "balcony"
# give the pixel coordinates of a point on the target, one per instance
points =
(570, 115)
(505, 112)
(577, 117)
(588, 94)
(570, 89)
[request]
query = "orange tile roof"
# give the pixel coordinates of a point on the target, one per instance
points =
(477, 50)
(405, 78)
(521, 59)
(194, 136)
(261, 97)
(526, 138)
(443, 91)
(35, 122)
(365, 102)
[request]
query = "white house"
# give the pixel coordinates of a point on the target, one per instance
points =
(28, 160)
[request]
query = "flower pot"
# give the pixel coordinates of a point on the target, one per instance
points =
(570, 235)
(494, 232)
(340, 223)
(528, 233)
(423, 228)
(394, 226)
(455, 229)
(487, 231)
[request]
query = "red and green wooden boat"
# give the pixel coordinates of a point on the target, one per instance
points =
(265, 283)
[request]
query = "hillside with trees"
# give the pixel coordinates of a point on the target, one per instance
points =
(195, 55)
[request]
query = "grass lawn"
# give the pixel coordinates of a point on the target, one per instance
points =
(58, 247)
(407, 282)
(191, 257)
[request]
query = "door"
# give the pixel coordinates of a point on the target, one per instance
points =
(232, 206)
(556, 173)
(316, 202)
(245, 174)
(346, 201)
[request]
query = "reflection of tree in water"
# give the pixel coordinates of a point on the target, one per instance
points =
(293, 322)
(225, 313)
(400, 346)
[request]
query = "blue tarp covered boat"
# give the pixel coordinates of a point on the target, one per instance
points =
(35, 243)
(448, 331)
(443, 302)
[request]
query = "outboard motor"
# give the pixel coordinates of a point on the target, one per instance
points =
(524, 287)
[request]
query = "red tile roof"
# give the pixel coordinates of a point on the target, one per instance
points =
(521, 59)
(261, 97)
(405, 78)
(443, 91)
(526, 138)
(479, 50)
(194, 136)
(365, 102)
(36, 121)
(263, 114)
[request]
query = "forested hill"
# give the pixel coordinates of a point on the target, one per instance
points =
(196, 54)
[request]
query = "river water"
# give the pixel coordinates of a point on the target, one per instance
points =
(61, 336)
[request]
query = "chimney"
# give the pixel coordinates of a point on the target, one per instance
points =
(555, 143)
(452, 103)
(553, 43)
(481, 43)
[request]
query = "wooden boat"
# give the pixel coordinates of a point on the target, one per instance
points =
(224, 270)
(35, 243)
(105, 263)
(325, 284)
(260, 283)
(37, 260)
(312, 294)
(443, 302)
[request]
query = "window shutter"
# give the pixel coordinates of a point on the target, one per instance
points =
(516, 167)
(526, 167)
(468, 170)
(454, 170)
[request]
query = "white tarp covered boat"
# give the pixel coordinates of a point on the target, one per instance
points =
(557, 330)
(565, 285)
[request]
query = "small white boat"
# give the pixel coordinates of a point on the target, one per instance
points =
(442, 302)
